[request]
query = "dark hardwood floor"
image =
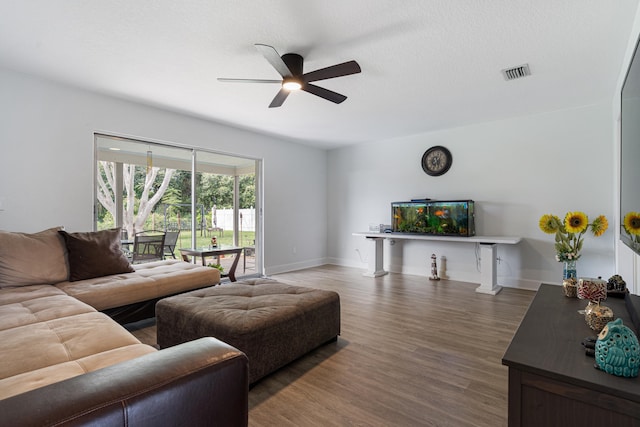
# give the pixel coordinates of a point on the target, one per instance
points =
(412, 352)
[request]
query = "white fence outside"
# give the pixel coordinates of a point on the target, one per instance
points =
(223, 218)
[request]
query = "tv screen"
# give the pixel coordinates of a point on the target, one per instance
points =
(630, 156)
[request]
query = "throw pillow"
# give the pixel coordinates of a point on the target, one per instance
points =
(32, 259)
(95, 254)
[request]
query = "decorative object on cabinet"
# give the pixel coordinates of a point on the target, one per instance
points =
(570, 269)
(617, 350)
(616, 286)
(597, 316)
(569, 236)
(593, 290)
(570, 287)
(589, 344)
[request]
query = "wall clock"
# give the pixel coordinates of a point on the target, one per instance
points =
(436, 160)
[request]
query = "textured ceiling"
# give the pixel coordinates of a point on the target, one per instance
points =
(426, 65)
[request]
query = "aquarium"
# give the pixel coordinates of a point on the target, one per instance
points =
(443, 218)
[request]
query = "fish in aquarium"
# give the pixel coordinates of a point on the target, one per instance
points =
(446, 218)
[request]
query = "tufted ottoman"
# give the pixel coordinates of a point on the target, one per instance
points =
(272, 323)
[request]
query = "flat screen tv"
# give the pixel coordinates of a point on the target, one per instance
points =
(630, 156)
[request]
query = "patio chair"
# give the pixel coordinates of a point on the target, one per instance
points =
(170, 241)
(125, 244)
(148, 246)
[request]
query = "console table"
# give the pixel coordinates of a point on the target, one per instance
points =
(488, 254)
(551, 380)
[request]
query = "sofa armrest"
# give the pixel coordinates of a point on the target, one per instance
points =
(201, 382)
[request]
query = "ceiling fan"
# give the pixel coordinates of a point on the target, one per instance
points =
(289, 66)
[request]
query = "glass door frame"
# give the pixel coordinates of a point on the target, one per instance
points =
(258, 183)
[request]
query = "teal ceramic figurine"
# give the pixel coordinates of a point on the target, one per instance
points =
(617, 350)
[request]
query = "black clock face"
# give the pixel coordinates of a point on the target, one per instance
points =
(436, 161)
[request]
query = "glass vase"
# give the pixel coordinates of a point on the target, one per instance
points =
(569, 270)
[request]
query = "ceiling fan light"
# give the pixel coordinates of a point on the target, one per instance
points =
(291, 85)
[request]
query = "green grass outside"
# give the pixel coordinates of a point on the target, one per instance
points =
(246, 238)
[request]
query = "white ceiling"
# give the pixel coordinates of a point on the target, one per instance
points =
(426, 65)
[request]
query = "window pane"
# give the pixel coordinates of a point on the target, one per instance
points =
(226, 187)
(132, 180)
(147, 186)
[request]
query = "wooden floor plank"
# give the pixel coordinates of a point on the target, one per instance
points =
(412, 352)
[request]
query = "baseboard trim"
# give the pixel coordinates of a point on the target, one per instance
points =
(285, 268)
(506, 282)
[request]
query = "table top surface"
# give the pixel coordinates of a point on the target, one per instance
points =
(548, 343)
(211, 250)
(508, 240)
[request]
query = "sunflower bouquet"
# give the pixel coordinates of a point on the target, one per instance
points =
(631, 224)
(570, 232)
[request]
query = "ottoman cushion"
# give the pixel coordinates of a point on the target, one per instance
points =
(271, 322)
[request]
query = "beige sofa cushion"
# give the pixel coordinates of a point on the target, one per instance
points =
(32, 259)
(31, 380)
(25, 293)
(15, 310)
(74, 344)
(151, 280)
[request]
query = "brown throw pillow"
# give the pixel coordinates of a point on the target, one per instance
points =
(95, 254)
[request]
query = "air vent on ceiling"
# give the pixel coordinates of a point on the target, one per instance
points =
(516, 72)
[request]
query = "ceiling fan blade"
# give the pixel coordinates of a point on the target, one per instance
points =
(327, 94)
(279, 98)
(274, 59)
(344, 69)
(222, 79)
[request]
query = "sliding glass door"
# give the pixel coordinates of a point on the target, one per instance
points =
(207, 197)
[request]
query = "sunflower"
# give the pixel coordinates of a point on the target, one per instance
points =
(549, 223)
(632, 223)
(576, 222)
(599, 225)
(569, 234)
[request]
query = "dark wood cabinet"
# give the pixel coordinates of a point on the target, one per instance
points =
(551, 380)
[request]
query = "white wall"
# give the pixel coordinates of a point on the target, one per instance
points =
(46, 164)
(515, 170)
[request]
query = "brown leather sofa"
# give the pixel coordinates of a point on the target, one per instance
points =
(199, 383)
(65, 362)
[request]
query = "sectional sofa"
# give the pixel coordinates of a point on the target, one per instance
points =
(65, 361)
